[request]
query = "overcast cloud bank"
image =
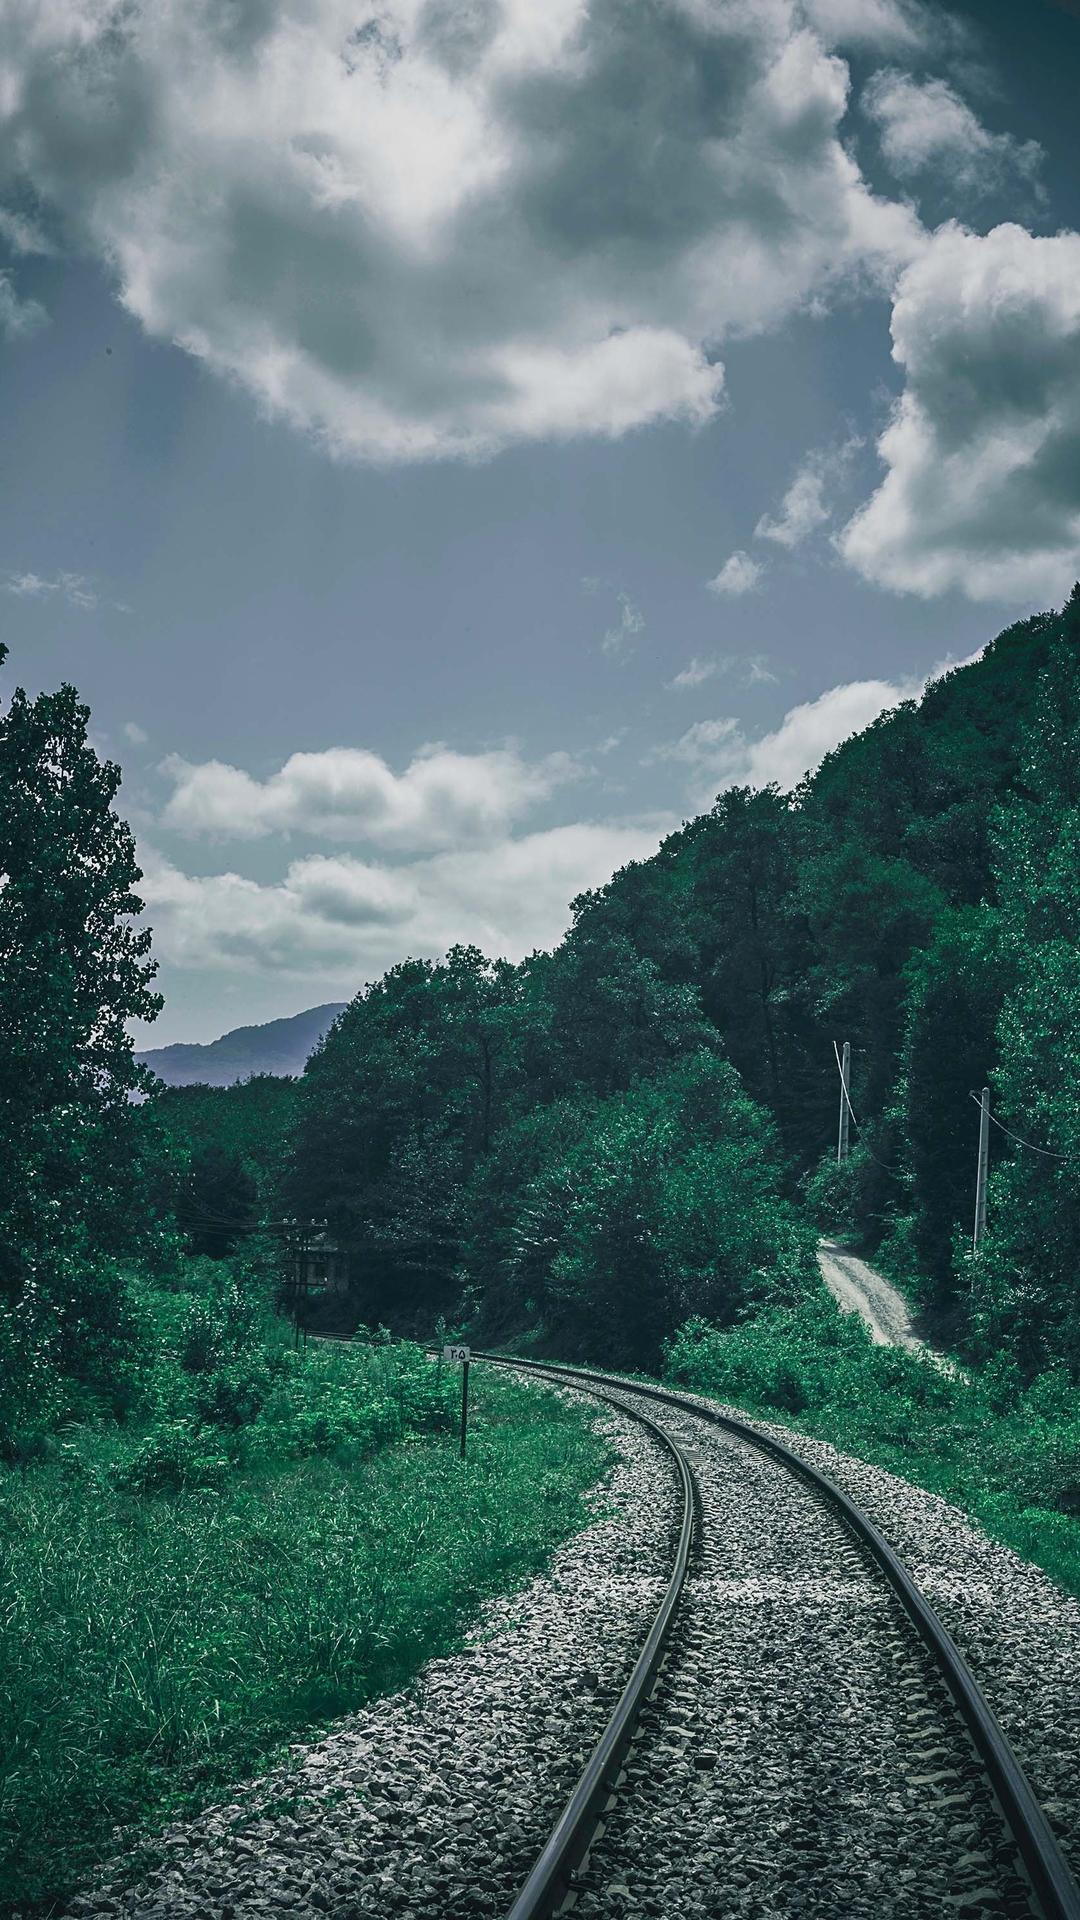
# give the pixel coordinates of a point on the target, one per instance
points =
(431, 231)
(435, 230)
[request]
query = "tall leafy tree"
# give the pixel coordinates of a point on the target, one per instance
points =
(404, 1095)
(74, 969)
(1025, 1281)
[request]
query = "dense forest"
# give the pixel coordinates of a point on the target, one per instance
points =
(641, 1126)
(588, 1150)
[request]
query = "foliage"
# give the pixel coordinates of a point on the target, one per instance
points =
(75, 971)
(219, 1154)
(174, 1606)
(477, 1134)
(666, 1204)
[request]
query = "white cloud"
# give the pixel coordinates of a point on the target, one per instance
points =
(719, 755)
(874, 23)
(695, 675)
(443, 798)
(616, 640)
(982, 489)
(22, 235)
(924, 124)
(63, 586)
(18, 317)
(433, 230)
(343, 918)
(804, 506)
(801, 510)
(739, 574)
(134, 733)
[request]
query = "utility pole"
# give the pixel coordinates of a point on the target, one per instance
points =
(844, 1138)
(984, 1163)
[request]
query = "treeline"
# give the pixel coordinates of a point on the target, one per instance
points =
(636, 1130)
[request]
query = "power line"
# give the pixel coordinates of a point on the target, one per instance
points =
(1029, 1144)
(847, 1102)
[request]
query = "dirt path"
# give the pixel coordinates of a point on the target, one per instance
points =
(858, 1289)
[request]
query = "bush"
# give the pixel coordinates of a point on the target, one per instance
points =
(171, 1459)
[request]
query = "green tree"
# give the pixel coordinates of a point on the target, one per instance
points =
(75, 970)
(1024, 1282)
(667, 1205)
(405, 1094)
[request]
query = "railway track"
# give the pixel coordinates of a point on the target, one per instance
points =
(800, 1735)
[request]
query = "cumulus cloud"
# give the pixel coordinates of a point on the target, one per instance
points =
(739, 574)
(63, 586)
(877, 24)
(718, 753)
(336, 917)
(982, 488)
(18, 317)
(433, 230)
(924, 124)
(443, 798)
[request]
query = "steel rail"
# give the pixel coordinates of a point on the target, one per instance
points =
(1047, 1869)
(570, 1838)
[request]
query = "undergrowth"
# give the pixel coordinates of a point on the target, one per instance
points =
(180, 1598)
(1009, 1456)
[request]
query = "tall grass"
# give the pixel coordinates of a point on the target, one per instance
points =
(176, 1604)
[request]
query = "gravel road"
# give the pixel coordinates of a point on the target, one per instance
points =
(859, 1289)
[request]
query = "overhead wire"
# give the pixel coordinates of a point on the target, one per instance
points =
(883, 1164)
(1046, 1152)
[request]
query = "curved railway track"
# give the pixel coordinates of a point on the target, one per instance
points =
(878, 1686)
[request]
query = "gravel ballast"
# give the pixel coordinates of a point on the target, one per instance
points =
(800, 1756)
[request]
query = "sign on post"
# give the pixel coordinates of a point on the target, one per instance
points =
(459, 1354)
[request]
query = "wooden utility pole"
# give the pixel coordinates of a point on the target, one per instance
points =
(843, 1143)
(983, 1169)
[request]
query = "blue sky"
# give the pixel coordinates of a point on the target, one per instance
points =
(445, 443)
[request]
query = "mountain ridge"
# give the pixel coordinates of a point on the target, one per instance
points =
(279, 1047)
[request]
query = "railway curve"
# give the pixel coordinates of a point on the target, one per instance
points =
(971, 1813)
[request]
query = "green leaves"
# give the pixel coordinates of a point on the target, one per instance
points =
(74, 971)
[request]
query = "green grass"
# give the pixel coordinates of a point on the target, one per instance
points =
(177, 1603)
(1009, 1458)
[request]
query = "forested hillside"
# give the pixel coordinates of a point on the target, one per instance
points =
(640, 1125)
(593, 1148)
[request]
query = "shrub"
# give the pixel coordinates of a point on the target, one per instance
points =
(170, 1459)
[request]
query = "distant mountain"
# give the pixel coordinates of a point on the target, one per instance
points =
(281, 1047)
